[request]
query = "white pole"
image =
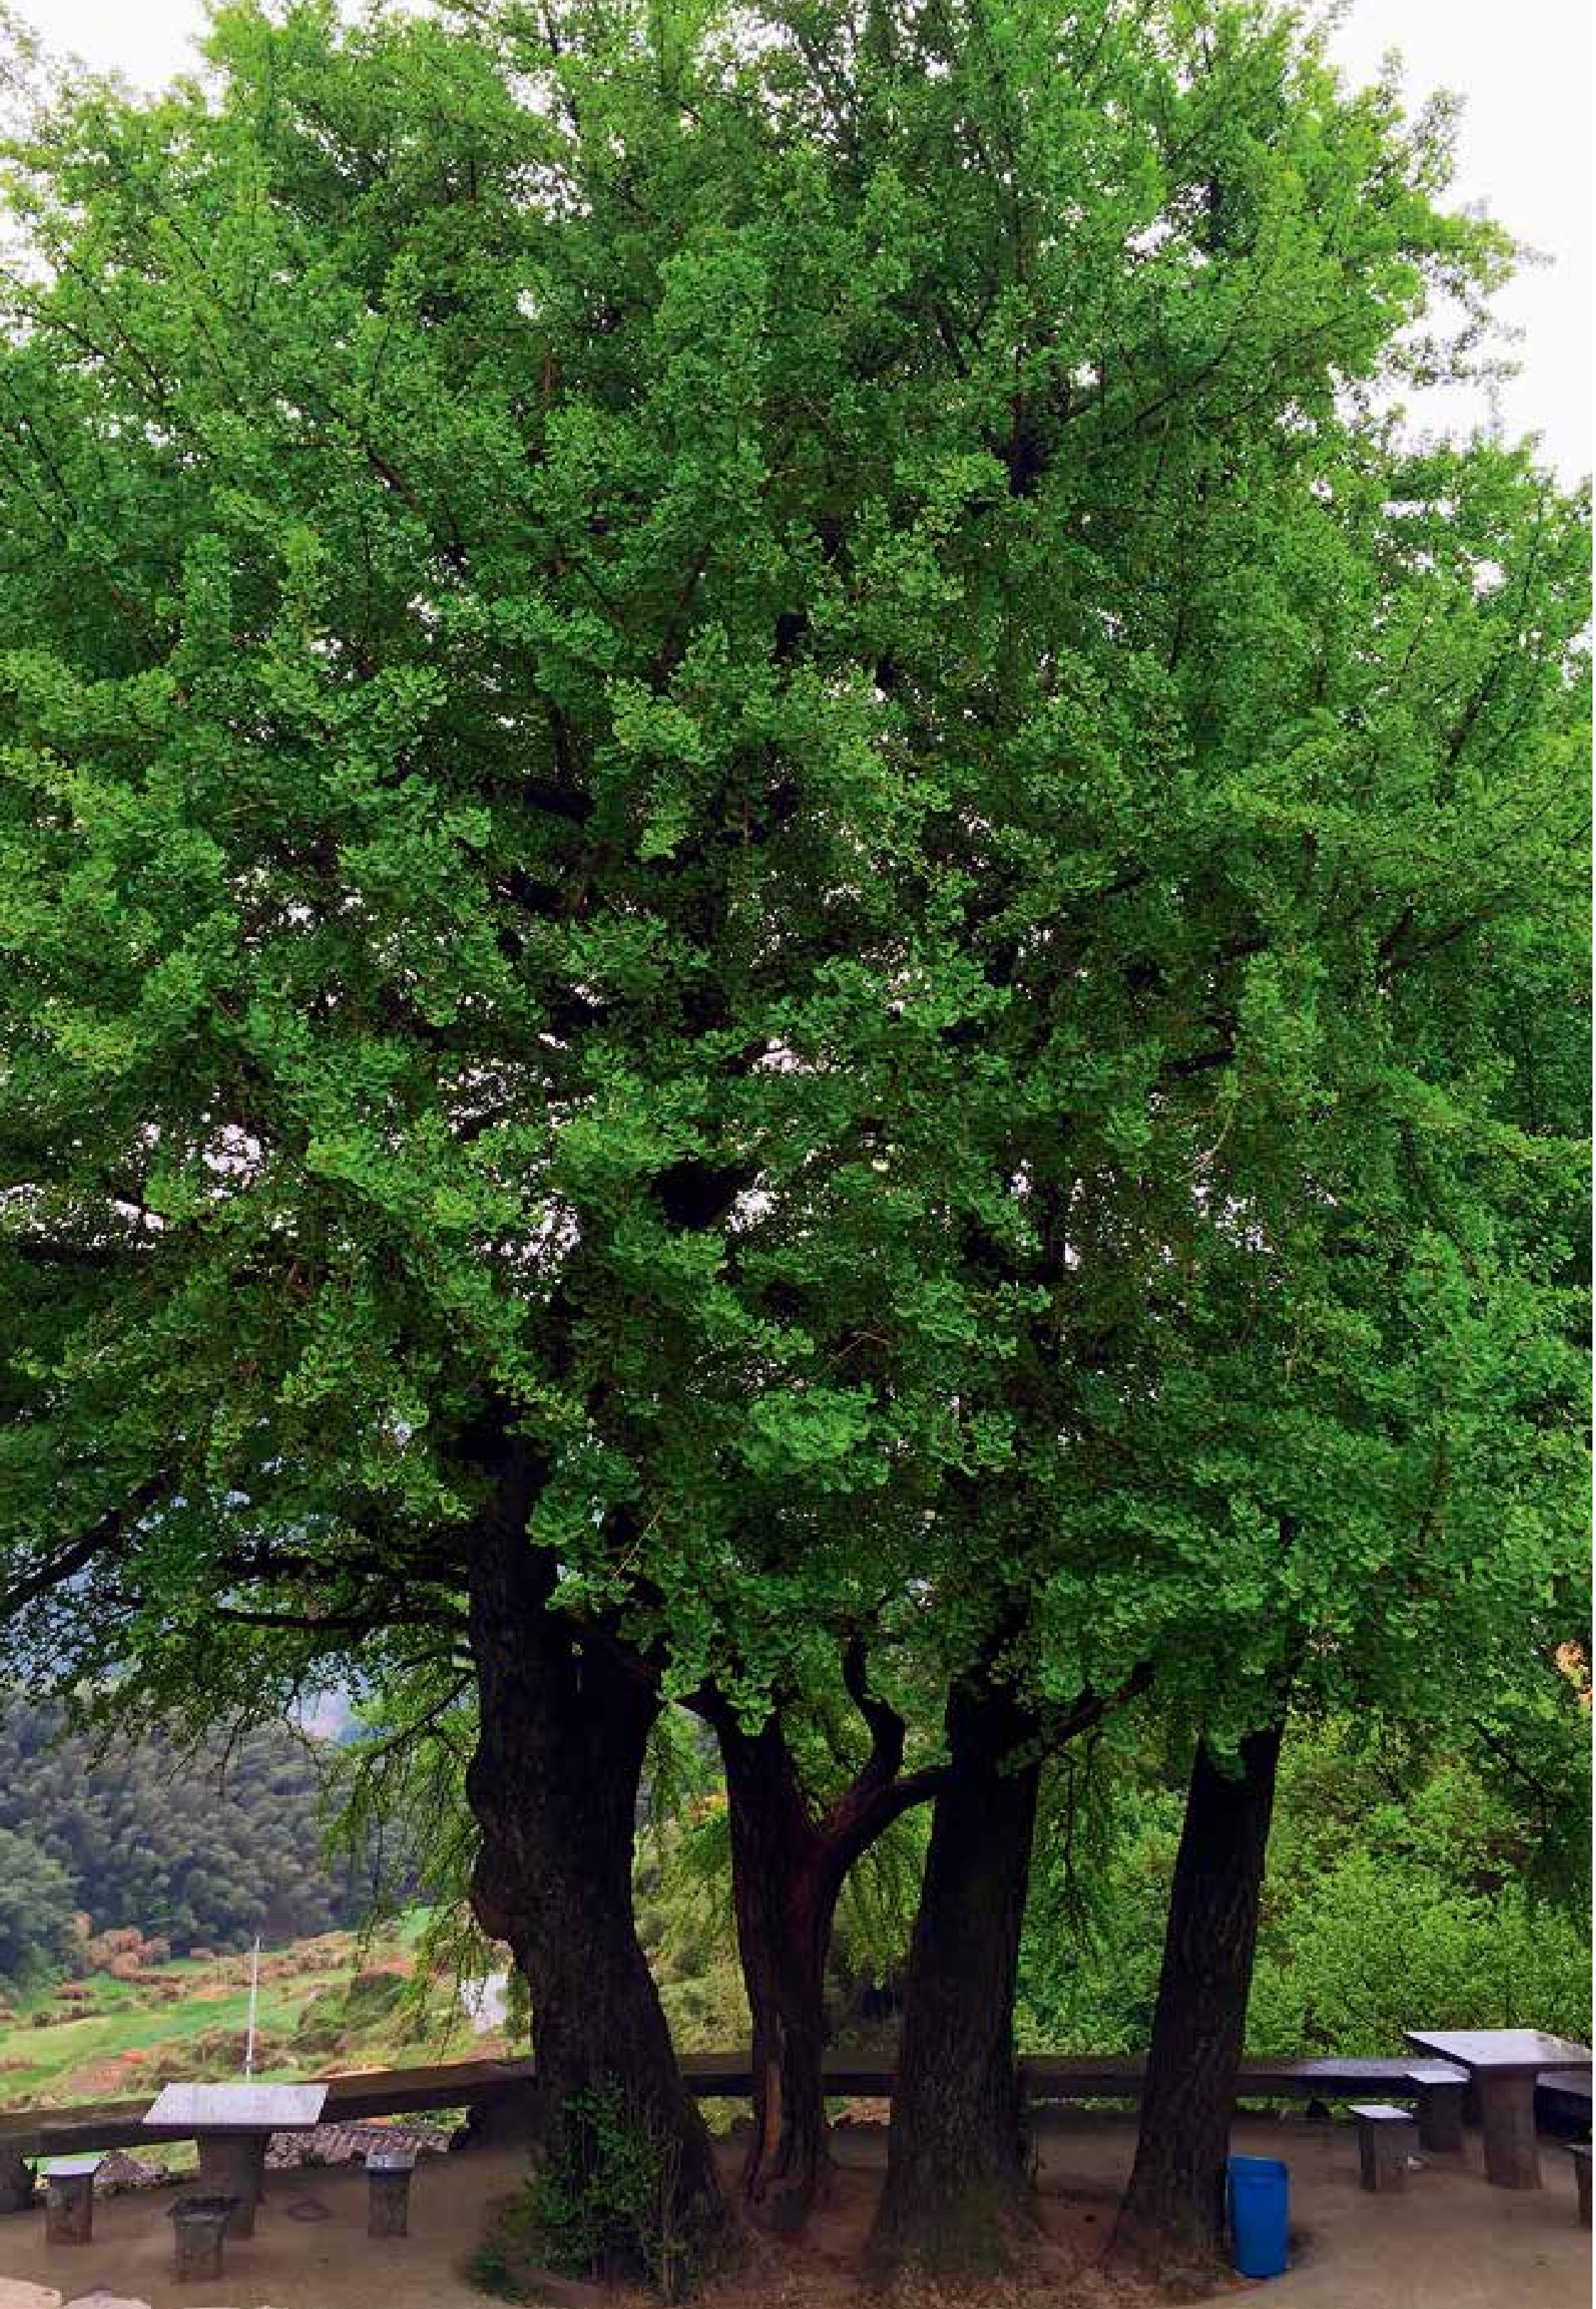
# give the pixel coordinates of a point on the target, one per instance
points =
(255, 1990)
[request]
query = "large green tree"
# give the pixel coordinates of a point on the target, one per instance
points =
(36, 1915)
(441, 771)
(1383, 1372)
(765, 891)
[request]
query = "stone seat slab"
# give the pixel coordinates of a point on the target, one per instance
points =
(1386, 2138)
(1442, 2090)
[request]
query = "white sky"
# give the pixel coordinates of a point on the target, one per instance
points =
(1524, 70)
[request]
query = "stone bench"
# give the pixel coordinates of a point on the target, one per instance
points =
(389, 2173)
(1580, 2150)
(1441, 2091)
(69, 2200)
(1387, 2137)
(199, 2226)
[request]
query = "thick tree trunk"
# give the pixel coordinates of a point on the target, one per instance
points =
(786, 1879)
(553, 1787)
(956, 2187)
(790, 1862)
(789, 1872)
(1173, 2217)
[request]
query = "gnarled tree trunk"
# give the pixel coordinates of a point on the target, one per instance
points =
(789, 1861)
(1173, 2216)
(553, 1786)
(785, 1887)
(955, 2182)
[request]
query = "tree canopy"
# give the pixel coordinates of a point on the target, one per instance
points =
(641, 786)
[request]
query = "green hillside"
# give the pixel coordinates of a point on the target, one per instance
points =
(325, 2003)
(189, 1852)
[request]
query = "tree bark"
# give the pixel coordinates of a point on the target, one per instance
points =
(564, 1720)
(788, 1865)
(955, 2187)
(785, 1886)
(1173, 2216)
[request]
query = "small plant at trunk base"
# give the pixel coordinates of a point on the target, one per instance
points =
(489, 2269)
(605, 2202)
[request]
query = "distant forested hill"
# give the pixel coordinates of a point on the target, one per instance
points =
(183, 1849)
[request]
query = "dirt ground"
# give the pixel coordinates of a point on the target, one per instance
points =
(1449, 2243)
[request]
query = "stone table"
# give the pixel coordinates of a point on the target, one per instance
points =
(232, 2125)
(1504, 2064)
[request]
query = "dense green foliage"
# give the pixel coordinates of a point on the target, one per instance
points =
(36, 1914)
(202, 1849)
(601, 2202)
(705, 782)
(1405, 1889)
(1407, 1886)
(599, 2207)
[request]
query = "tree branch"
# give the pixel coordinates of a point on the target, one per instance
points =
(105, 1538)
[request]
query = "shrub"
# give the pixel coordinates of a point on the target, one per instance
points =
(602, 2206)
(604, 2199)
(1376, 1947)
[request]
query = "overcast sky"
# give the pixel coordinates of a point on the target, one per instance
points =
(1523, 70)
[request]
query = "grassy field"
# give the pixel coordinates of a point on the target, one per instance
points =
(324, 2004)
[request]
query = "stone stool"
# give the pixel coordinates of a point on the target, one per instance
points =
(388, 2208)
(1580, 2150)
(69, 2200)
(199, 2225)
(1441, 2090)
(1386, 2138)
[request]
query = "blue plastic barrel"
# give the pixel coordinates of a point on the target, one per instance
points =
(1259, 2192)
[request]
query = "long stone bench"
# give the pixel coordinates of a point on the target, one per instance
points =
(1049, 2077)
(377, 2092)
(483, 2084)
(1095, 2076)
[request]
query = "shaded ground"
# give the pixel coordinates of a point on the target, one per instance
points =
(1450, 2243)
